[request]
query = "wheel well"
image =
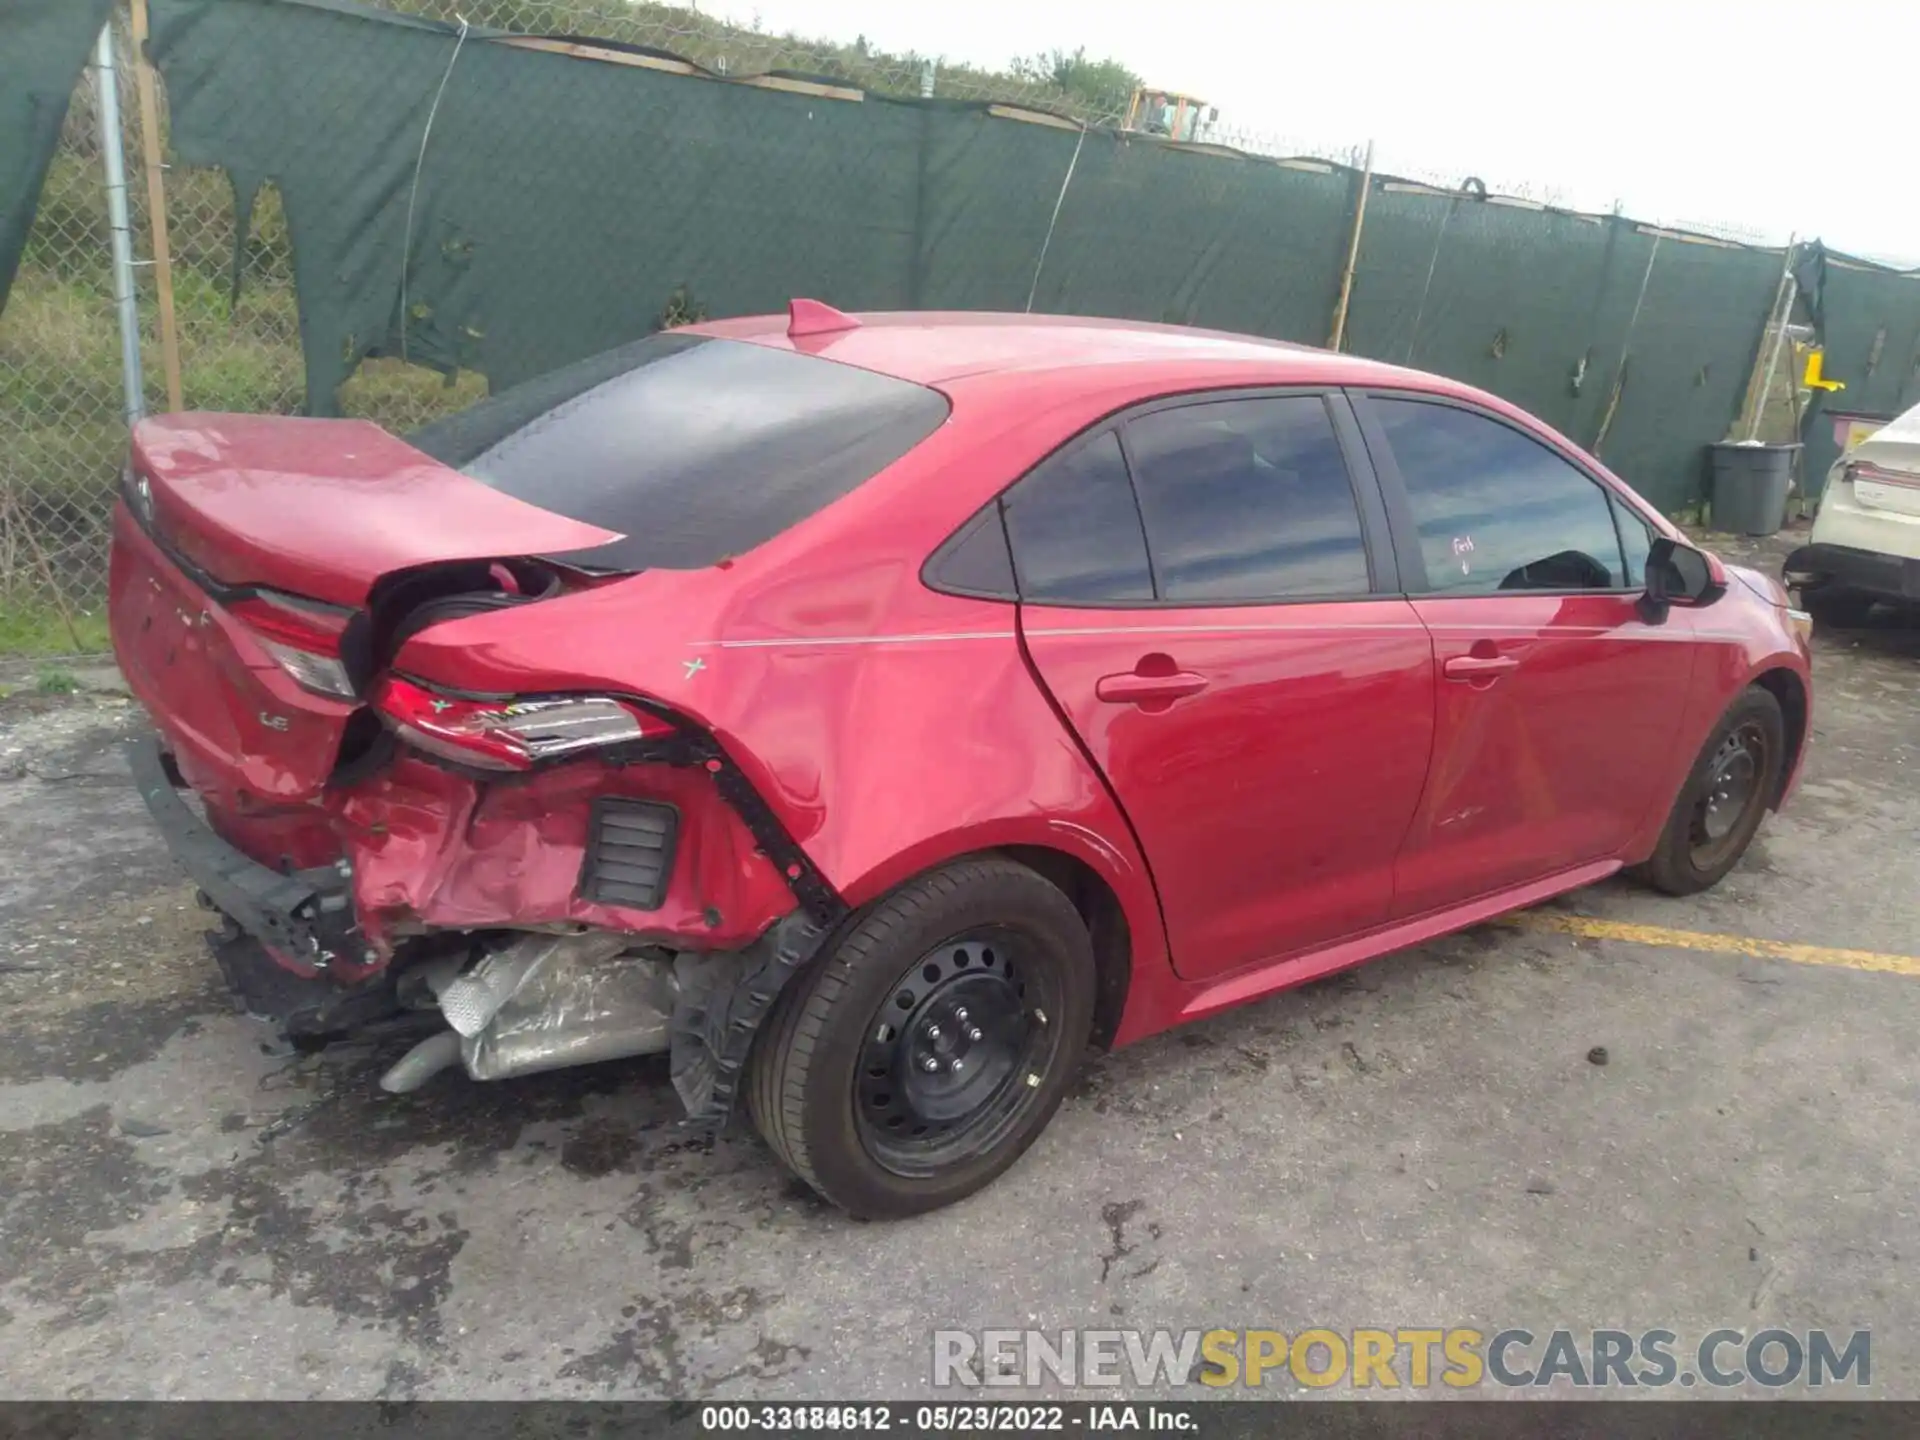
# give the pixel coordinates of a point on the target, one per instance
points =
(1786, 687)
(1106, 922)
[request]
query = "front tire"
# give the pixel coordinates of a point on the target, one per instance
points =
(918, 1059)
(1724, 799)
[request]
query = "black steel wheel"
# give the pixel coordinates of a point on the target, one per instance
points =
(921, 1056)
(954, 1052)
(1736, 773)
(1725, 797)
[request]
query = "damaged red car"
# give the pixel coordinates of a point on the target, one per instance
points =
(872, 713)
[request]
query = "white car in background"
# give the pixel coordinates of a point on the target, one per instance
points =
(1865, 544)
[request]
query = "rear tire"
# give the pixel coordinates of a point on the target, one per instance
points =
(1724, 799)
(840, 1083)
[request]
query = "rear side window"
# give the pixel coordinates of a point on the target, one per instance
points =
(1496, 509)
(1075, 529)
(1248, 500)
(694, 449)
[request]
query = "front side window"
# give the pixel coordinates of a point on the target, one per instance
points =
(1636, 540)
(1497, 510)
(1248, 500)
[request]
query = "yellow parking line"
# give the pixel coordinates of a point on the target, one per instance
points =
(1542, 922)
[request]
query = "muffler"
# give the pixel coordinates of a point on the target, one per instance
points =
(546, 1002)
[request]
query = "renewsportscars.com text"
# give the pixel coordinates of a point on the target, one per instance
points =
(1415, 1358)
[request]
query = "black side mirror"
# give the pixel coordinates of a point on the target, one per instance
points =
(1676, 575)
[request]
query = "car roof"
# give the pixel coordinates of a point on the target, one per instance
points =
(940, 348)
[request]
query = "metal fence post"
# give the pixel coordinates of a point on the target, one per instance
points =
(107, 110)
(1777, 318)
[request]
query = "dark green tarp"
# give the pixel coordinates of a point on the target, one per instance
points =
(1556, 312)
(1868, 319)
(43, 48)
(561, 204)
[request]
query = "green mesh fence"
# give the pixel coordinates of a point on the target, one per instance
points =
(62, 410)
(1869, 318)
(1631, 343)
(45, 44)
(563, 205)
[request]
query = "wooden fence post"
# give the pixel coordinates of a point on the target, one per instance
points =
(1339, 336)
(157, 205)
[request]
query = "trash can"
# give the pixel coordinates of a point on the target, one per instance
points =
(1750, 485)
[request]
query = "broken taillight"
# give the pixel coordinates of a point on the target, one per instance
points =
(510, 734)
(303, 639)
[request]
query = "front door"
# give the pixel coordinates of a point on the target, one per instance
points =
(1557, 702)
(1199, 602)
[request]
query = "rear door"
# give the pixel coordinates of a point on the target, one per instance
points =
(1557, 702)
(1207, 592)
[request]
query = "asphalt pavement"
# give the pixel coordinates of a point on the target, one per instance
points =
(1429, 1141)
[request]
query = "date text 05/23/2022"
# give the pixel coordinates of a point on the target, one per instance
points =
(1011, 1419)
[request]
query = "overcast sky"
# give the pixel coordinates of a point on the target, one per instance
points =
(1750, 114)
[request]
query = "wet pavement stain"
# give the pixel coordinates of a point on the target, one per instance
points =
(650, 1349)
(97, 1041)
(1114, 1215)
(66, 1181)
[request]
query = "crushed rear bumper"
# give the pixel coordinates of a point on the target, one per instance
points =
(306, 917)
(282, 932)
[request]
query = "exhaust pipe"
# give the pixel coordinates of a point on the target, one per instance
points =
(546, 1002)
(422, 1063)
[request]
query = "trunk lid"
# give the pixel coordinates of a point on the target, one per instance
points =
(324, 508)
(243, 536)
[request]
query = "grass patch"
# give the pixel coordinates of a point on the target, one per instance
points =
(59, 350)
(37, 627)
(63, 436)
(55, 682)
(400, 396)
(748, 50)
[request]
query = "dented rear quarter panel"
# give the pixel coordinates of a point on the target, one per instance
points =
(888, 726)
(436, 849)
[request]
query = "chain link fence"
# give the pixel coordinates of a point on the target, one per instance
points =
(239, 326)
(62, 424)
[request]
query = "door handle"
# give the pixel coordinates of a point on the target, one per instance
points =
(1133, 688)
(1478, 667)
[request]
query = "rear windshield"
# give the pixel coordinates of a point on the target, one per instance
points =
(693, 448)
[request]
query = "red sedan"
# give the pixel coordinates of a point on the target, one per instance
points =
(871, 713)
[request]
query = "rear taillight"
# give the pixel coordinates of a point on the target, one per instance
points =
(510, 734)
(138, 491)
(304, 640)
(1876, 475)
(322, 674)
